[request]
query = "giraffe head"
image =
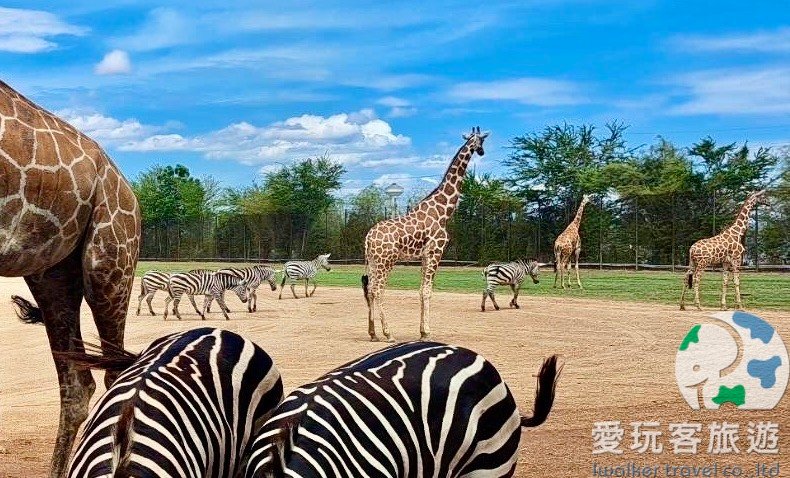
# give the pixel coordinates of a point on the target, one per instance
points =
(759, 197)
(585, 199)
(475, 140)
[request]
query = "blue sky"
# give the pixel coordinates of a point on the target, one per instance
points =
(388, 88)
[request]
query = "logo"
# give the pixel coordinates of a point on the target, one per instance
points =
(740, 359)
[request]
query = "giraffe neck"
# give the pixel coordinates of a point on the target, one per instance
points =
(450, 187)
(578, 218)
(741, 223)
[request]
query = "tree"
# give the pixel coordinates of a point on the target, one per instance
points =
(169, 193)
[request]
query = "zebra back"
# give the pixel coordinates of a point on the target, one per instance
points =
(306, 269)
(155, 280)
(511, 272)
(188, 405)
(414, 409)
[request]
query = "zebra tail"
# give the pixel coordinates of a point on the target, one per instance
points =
(106, 356)
(27, 311)
(365, 282)
(544, 394)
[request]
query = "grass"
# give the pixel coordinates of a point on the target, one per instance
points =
(759, 290)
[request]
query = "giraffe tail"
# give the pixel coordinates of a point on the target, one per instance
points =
(690, 279)
(544, 394)
(365, 282)
(27, 311)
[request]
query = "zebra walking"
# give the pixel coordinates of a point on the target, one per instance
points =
(414, 409)
(255, 276)
(211, 285)
(512, 274)
(303, 270)
(151, 282)
(188, 405)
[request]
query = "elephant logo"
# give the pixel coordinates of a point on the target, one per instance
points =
(740, 359)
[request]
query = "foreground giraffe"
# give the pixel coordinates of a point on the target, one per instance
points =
(726, 249)
(70, 225)
(420, 234)
(569, 245)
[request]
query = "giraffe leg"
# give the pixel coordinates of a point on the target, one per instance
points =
(514, 301)
(58, 293)
(697, 278)
(378, 280)
(725, 277)
(557, 268)
(736, 280)
(578, 279)
(429, 265)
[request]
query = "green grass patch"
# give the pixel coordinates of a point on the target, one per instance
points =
(759, 290)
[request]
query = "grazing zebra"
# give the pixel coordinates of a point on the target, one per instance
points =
(512, 274)
(210, 285)
(188, 405)
(413, 409)
(303, 270)
(254, 276)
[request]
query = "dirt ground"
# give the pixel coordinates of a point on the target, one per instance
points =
(619, 365)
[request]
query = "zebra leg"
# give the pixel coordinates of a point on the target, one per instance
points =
(143, 294)
(206, 303)
(194, 304)
(306, 294)
(514, 301)
(293, 289)
(493, 301)
(253, 297)
(176, 300)
(222, 305)
(282, 286)
(148, 300)
(315, 284)
(168, 299)
(483, 304)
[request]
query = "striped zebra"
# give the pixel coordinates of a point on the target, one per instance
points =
(512, 274)
(210, 285)
(303, 270)
(414, 409)
(255, 276)
(187, 406)
(151, 282)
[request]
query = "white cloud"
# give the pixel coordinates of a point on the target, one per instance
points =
(399, 108)
(735, 92)
(28, 31)
(529, 91)
(163, 28)
(106, 130)
(350, 138)
(115, 62)
(776, 41)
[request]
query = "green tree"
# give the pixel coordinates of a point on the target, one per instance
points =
(169, 193)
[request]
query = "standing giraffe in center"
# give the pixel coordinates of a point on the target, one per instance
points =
(726, 249)
(569, 244)
(70, 225)
(419, 234)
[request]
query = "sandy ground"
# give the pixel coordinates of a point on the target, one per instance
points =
(619, 365)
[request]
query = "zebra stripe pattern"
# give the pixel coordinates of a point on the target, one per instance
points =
(255, 276)
(303, 270)
(187, 406)
(151, 282)
(212, 285)
(414, 409)
(512, 274)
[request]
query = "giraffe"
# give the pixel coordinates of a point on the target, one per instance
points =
(70, 225)
(725, 249)
(419, 234)
(569, 243)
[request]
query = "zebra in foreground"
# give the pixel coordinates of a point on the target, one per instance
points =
(255, 276)
(188, 405)
(211, 285)
(512, 274)
(303, 270)
(414, 409)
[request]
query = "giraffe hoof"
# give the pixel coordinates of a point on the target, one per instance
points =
(516, 306)
(424, 337)
(682, 307)
(374, 338)
(496, 307)
(482, 309)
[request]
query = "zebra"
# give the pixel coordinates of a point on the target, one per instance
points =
(303, 270)
(210, 285)
(254, 276)
(413, 409)
(188, 405)
(512, 274)
(151, 282)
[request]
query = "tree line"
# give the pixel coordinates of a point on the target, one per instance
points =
(650, 203)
